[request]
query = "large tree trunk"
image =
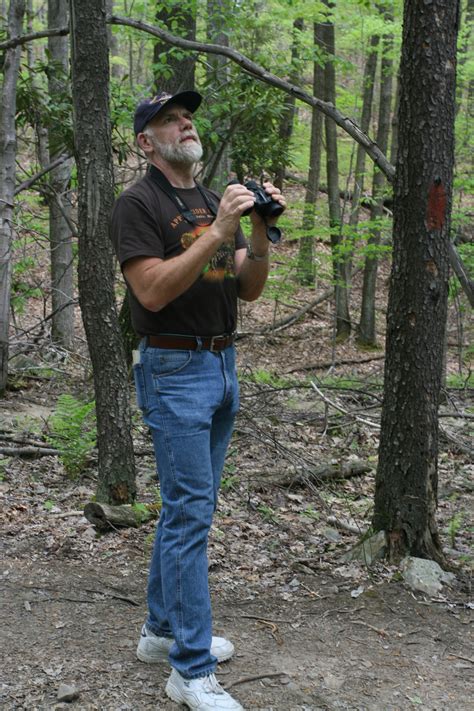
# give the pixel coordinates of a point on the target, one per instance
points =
(407, 475)
(343, 320)
(366, 333)
(60, 237)
(306, 270)
(90, 75)
(7, 177)
(179, 75)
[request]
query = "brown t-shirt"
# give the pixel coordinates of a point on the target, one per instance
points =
(145, 222)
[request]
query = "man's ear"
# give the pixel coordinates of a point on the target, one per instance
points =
(143, 142)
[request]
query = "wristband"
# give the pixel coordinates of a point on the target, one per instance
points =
(255, 257)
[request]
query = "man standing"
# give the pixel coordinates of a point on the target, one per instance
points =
(185, 262)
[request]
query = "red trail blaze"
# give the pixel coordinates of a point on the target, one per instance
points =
(436, 209)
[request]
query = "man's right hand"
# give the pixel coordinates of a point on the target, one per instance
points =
(235, 201)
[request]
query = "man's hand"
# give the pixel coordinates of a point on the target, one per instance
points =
(276, 195)
(235, 201)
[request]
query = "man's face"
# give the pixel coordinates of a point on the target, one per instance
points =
(174, 137)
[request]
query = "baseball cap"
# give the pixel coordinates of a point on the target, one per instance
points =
(149, 108)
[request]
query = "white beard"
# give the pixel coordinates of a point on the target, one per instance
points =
(181, 153)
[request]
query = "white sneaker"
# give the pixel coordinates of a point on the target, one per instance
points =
(153, 649)
(205, 694)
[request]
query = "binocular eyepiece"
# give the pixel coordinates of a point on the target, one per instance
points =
(265, 206)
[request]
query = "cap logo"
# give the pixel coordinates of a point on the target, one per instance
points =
(160, 99)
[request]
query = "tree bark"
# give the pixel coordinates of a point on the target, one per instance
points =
(179, 70)
(60, 237)
(306, 269)
(288, 117)
(7, 177)
(343, 319)
(366, 334)
(366, 114)
(90, 73)
(407, 475)
(218, 169)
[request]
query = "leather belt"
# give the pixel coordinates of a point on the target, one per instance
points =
(191, 343)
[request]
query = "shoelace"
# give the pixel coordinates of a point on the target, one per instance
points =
(211, 684)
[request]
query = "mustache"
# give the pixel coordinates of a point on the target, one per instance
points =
(189, 134)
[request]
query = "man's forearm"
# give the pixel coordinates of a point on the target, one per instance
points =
(156, 283)
(253, 271)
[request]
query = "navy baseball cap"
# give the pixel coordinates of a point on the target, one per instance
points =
(148, 109)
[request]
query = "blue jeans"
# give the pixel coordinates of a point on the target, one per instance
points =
(189, 400)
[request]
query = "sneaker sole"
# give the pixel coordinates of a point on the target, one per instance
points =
(173, 693)
(152, 659)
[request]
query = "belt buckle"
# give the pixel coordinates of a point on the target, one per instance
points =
(212, 347)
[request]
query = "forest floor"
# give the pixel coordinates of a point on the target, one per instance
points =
(312, 630)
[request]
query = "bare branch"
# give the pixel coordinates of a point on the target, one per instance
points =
(24, 39)
(37, 176)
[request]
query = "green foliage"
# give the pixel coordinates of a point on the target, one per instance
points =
(73, 432)
(311, 513)
(453, 528)
(36, 106)
(268, 514)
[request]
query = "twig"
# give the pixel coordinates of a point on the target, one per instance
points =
(67, 514)
(460, 656)
(267, 619)
(345, 525)
(247, 679)
(380, 632)
(341, 409)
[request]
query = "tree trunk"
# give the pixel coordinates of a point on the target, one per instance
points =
(180, 66)
(217, 75)
(90, 75)
(366, 114)
(288, 117)
(11, 67)
(306, 270)
(343, 321)
(60, 237)
(407, 475)
(366, 334)
(117, 69)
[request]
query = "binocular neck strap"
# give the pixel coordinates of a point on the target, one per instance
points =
(162, 181)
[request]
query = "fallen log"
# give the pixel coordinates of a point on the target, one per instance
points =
(290, 477)
(105, 517)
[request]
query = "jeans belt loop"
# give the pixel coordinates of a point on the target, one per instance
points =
(199, 344)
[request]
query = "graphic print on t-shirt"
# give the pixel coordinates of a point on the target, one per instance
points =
(221, 266)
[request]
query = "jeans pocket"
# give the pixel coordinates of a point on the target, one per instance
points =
(140, 387)
(169, 362)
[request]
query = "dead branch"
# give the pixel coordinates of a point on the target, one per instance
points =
(37, 176)
(303, 476)
(328, 364)
(247, 679)
(28, 451)
(105, 517)
(341, 409)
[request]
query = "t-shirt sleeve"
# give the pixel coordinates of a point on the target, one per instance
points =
(240, 241)
(134, 230)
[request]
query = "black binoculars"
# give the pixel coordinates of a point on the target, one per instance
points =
(265, 206)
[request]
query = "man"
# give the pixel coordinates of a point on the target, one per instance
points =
(185, 262)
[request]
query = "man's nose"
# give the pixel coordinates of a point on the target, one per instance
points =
(186, 122)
